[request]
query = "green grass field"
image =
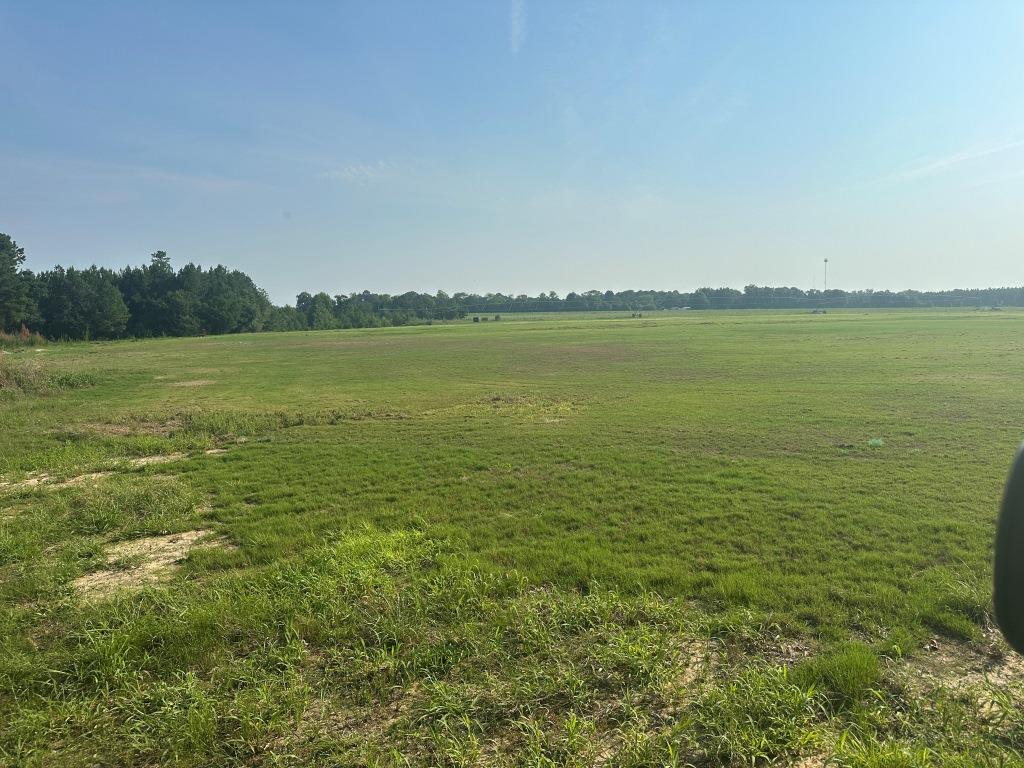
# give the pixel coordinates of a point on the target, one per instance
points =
(688, 539)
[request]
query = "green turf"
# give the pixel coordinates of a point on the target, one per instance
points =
(707, 538)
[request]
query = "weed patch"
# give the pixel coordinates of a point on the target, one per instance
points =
(128, 507)
(758, 715)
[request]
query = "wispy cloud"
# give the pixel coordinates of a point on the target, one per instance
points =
(932, 166)
(516, 25)
(361, 173)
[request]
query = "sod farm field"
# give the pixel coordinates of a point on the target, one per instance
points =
(687, 539)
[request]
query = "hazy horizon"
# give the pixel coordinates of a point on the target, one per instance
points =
(521, 147)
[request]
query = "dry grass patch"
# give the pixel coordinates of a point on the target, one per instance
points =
(133, 427)
(540, 408)
(148, 560)
(193, 383)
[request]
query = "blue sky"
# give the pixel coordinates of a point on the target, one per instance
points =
(520, 146)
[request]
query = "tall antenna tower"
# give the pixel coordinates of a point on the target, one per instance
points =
(826, 275)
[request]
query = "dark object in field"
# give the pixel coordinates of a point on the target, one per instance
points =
(476, 319)
(497, 317)
(1008, 576)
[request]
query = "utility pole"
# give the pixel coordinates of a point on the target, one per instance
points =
(826, 275)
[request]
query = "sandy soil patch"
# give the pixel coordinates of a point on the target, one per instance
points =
(45, 479)
(814, 761)
(33, 479)
(89, 477)
(699, 663)
(149, 560)
(160, 458)
(215, 451)
(37, 479)
(193, 383)
(951, 664)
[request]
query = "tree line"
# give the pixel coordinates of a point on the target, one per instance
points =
(155, 300)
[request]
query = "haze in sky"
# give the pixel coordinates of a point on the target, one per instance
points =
(520, 146)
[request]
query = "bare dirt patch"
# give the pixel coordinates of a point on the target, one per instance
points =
(698, 662)
(37, 479)
(149, 560)
(193, 383)
(958, 666)
(215, 451)
(983, 675)
(160, 458)
(88, 477)
(813, 761)
(31, 481)
(45, 479)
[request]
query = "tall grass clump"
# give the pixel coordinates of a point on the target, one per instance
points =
(844, 675)
(23, 338)
(954, 603)
(19, 377)
(22, 377)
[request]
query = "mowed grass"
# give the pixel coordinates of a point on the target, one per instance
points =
(692, 538)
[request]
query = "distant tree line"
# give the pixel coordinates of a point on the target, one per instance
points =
(155, 300)
(151, 300)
